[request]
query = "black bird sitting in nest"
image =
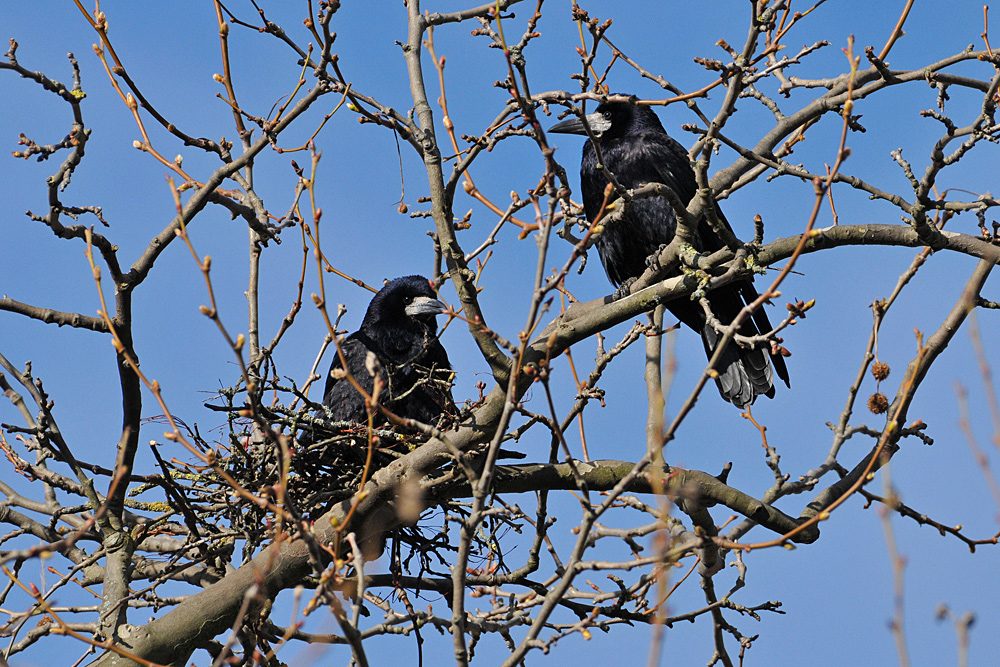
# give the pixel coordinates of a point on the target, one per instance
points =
(637, 150)
(399, 332)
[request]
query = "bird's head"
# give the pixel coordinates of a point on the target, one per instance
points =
(403, 301)
(612, 119)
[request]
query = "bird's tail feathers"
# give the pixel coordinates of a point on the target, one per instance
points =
(763, 325)
(743, 373)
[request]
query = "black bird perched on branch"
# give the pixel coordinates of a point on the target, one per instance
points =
(637, 150)
(400, 330)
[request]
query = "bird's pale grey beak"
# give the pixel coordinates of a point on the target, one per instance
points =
(597, 122)
(424, 305)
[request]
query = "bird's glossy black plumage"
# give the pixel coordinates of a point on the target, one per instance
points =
(637, 150)
(400, 328)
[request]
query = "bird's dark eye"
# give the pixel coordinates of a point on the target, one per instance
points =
(407, 299)
(607, 115)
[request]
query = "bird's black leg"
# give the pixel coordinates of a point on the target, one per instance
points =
(653, 261)
(624, 289)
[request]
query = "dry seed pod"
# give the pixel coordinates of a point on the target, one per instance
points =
(880, 370)
(878, 403)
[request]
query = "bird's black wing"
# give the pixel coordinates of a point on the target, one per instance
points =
(669, 163)
(738, 382)
(346, 403)
(422, 389)
(419, 388)
(636, 159)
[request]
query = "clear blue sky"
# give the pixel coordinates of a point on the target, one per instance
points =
(838, 592)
